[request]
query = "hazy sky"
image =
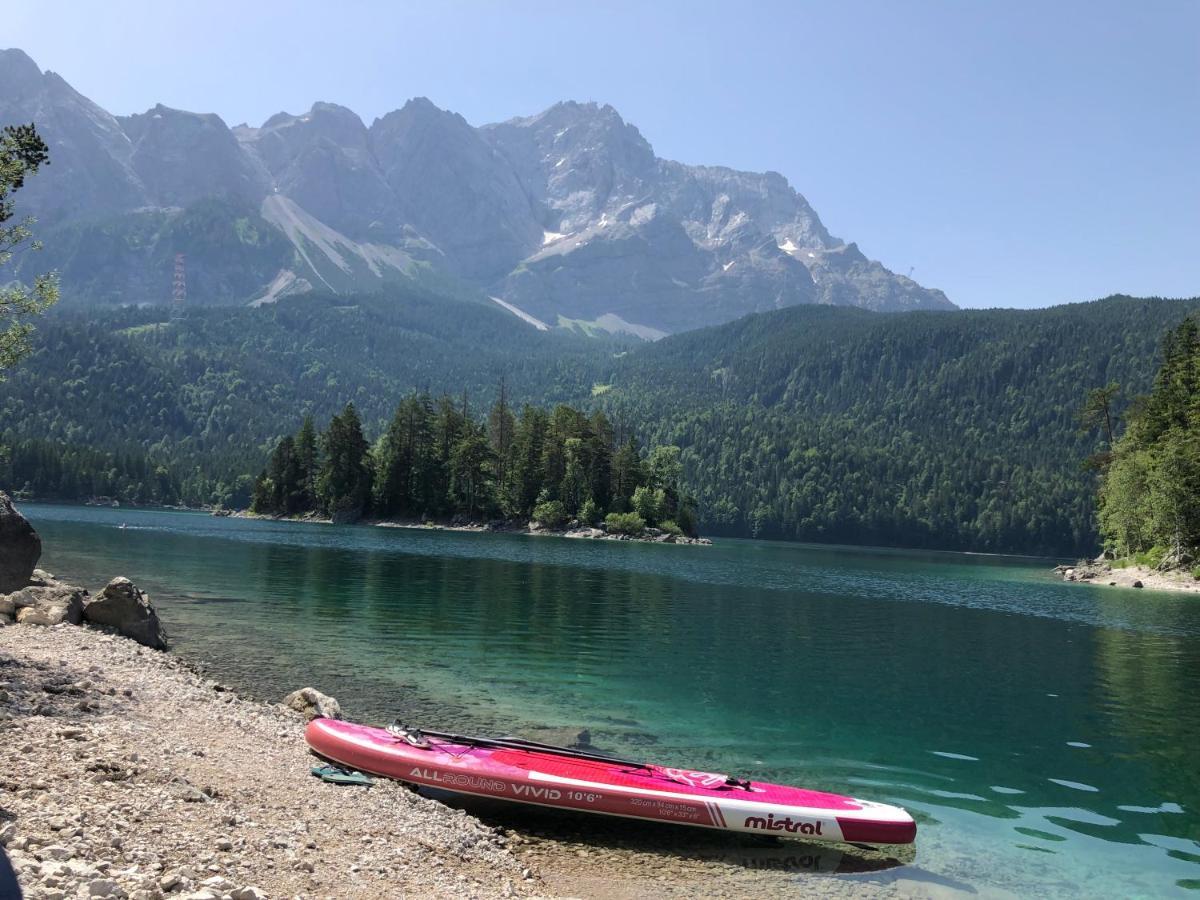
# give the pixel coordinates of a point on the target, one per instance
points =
(1011, 153)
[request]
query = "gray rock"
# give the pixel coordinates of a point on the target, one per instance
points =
(20, 547)
(312, 704)
(123, 607)
(104, 887)
(49, 602)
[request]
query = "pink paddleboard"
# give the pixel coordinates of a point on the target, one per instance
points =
(612, 788)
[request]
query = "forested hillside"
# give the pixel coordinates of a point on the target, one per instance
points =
(1150, 497)
(130, 403)
(956, 430)
(953, 430)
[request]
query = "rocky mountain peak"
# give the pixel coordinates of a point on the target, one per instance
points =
(564, 214)
(182, 157)
(17, 71)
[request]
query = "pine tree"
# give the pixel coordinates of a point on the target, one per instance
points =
(529, 468)
(471, 464)
(344, 484)
(501, 432)
(307, 464)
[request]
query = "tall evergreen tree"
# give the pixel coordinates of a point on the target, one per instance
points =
(502, 434)
(471, 464)
(344, 484)
(307, 463)
(529, 468)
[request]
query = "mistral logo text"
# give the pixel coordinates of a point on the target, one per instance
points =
(770, 823)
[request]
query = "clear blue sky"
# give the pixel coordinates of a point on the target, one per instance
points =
(1013, 153)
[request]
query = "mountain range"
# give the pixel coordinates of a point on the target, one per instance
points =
(565, 218)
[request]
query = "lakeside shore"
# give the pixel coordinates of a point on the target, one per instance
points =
(128, 774)
(581, 532)
(1103, 572)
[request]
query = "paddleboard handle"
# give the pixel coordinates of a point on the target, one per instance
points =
(411, 736)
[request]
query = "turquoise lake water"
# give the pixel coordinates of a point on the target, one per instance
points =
(1045, 735)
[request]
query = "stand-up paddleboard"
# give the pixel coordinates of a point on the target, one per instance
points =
(541, 775)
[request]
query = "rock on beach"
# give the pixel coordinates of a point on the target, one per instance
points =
(123, 607)
(45, 601)
(20, 547)
(312, 704)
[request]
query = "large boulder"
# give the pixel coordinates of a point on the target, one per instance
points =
(46, 601)
(123, 607)
(20, 547)
(312, 704)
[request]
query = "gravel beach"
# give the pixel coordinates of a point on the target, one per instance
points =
(124, 773)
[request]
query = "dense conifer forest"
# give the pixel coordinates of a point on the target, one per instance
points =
(435, 461)
(955, 430)
(1150, 496)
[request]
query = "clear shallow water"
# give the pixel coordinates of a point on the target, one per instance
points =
(1047, 736)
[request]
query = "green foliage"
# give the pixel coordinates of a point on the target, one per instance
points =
(208, 396)
(1150, 559)
(624, 523)
(954, 430)
(950, 430)
(648, 503)
(670, 528)
(232, 252)
(550, 514)
(435, 461)
(1150, 496)
(589, 513)
(344, 482)
(22, 153)
(1196, 573)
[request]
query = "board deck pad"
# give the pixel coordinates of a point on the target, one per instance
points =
(656, 793)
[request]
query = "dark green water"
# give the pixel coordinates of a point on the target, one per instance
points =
(1047, 736)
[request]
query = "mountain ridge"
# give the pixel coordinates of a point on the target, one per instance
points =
(566, 215)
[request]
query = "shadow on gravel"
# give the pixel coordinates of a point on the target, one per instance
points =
(29, 688)
(677, 842)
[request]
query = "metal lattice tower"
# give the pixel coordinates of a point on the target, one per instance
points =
(179, 287)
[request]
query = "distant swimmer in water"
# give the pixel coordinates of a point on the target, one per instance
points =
(122, 525)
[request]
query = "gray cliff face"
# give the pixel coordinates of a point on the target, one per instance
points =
(455, 189)
(565, 215)
(182, 158)
(91, 169)
(324, 161)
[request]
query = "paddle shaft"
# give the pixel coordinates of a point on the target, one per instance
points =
(522, 744)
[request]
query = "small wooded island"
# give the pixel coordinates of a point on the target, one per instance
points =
(563, 471)
(1149, 496)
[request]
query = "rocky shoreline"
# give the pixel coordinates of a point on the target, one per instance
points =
(577, 531)
(1101, 571)
(126, 774)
